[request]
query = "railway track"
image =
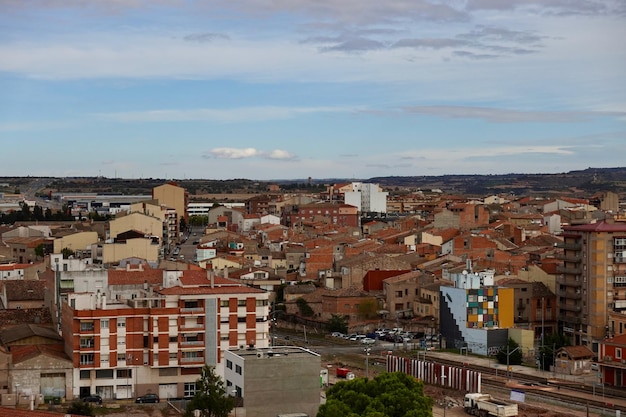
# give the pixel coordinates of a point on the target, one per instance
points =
(538, 388)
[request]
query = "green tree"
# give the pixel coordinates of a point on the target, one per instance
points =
(514, 356)
(304, 307)
(39, 251)
(211, 397)
(81, 408)
(337, 323)
(393, 394)
(67, 252)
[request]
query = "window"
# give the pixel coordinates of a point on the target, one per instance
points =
(121, 322)
(86, 326)
(618, 353)
(104, 358)
(121, 358)
(86, 374)
(241, 319)
(229, 364)
(124, 373)
(173, 356)
(173, 339)
(86, 359)
(86, 342)
(238, 369)
(241, 303)
(121, 340)
(104, 373)
(189, 389)
(104, 323)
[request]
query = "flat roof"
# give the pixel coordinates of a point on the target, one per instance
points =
(275, 351)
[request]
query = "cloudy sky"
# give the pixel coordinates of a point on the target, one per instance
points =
(273, 89)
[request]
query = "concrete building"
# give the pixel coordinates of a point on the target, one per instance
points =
(591, 282)
(274, 380)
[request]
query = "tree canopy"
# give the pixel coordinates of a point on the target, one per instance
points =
(515, 357)
(337, 323)
(393, 394)
(210, 397)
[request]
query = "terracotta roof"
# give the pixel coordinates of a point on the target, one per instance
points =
(24, 290)
(135, 276)
(24, 331)
(13, 267)
(28, 315)
(208, 290)
(578, 352)
(597, 227)
(26, 352)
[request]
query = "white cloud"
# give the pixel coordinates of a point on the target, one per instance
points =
(234, 153)
(241, 153)
(233, 115)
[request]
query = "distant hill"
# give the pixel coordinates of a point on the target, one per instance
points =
(579, 183)
(574, 183)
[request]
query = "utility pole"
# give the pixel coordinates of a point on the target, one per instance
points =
(508, 355)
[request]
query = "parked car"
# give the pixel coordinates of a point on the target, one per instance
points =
(337, 334)
(148, 398)
(368, 341)
(93, 399)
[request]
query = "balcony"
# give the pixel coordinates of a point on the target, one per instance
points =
(569, 246)
(619, 259)
(568, 282)
(192, 310)
(571, 295)
(193, 345)
(568, 258)
(191, 328)
(87, 343)
(573, 308)
(568, 270)
(192, 359)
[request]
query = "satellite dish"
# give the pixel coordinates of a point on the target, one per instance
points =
(464, 272)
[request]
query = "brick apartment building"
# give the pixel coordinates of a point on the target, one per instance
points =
(157, 338)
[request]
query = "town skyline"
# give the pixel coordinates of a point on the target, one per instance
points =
(295, 90)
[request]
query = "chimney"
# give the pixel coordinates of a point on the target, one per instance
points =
(226, 272)
(211, 276)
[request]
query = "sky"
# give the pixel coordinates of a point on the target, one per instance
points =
(290, 89)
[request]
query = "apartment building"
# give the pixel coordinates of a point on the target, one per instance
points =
(591, 282)
(158, 337)
(367, 197)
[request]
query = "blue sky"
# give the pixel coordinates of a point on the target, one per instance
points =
(281, 89)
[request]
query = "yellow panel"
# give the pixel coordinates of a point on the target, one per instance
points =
(506, 307)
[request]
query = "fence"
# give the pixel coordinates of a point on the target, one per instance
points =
(437, 374)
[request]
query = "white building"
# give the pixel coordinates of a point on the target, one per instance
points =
(367, 197)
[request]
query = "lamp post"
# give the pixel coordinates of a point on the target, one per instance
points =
(367, 357)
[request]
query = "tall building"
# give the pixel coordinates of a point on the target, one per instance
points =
(591, 282)
(174, 197)
(367, 197)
